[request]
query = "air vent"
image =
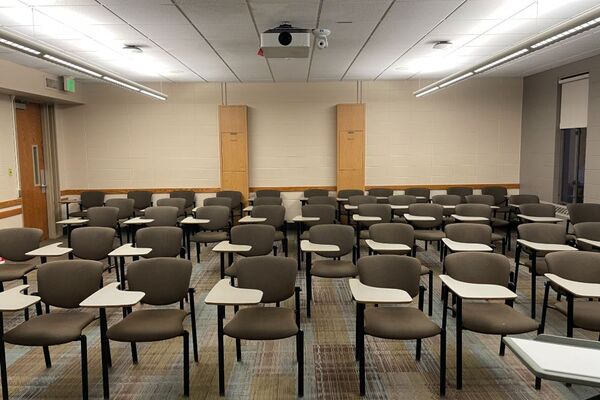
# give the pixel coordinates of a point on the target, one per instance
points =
(53, 83)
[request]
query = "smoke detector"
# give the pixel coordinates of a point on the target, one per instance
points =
(133, 48)
(442, 44)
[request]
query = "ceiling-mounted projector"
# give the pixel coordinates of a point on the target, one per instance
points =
(285, 41)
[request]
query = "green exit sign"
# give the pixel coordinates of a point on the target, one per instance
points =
(69, 84)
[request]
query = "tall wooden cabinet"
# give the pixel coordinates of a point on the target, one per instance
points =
(350, 146)
(233, 132)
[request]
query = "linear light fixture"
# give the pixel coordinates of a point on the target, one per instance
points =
(574, 26)
(36, 49)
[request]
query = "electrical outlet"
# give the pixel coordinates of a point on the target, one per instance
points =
(10, 172)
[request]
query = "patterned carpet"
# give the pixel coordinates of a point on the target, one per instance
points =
(268, 369)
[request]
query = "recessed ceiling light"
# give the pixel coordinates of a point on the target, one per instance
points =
(343, 22)
(133, 48)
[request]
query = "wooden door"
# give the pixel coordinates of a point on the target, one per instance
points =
(31, 167)
(350, 146)
(233, 132)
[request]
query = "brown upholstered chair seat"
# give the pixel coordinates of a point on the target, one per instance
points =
(586, 314)
(210, 237)
(305, 235)
(50, 329)
(11, 272)
(540, 265)
(496, 319)
(262, 323)
(279, 236)
(429, 234)
(334, 269)
(496, 237)
(499, 223)
(79, 214)
(148, 326)
(231, 271)
(399, 323)
(364, 234)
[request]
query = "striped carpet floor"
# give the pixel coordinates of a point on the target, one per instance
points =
(268, 369)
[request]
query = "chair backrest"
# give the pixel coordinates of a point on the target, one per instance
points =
(103, 216)
(339, 235)
(260, 237)
(92, 199)
(275, 215)
(499, 193)
(187, 195)
(469, 233)
(274, 276)
(481, 268)
(268, 201)
(429, 210)
(474, 210)
(218, 216)
(584, 212)
(162, 216)
(537, 210)
(125, 207)
(15, 242)
(486, 199)
(268, 193)
(177, 202)
(446, 199)
(325, 212)
(402, 199)
(234, 195)
(422, 192)
(587, 230)
(92, 242)
(381, 192)
(218, 201)
(383, 211)
(164, 280)
(361, 199)
(165, 241)
(142, 199)
(581, 266)
(66, 283)
(308, 193)
(393, 233)
(391, 271)
(328, 200)
(543, 233)
(519, 199)
(461, 191)
(347, 193)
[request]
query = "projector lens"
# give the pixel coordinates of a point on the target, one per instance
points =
(285, 38)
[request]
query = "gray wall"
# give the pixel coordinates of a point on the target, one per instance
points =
(540, 149)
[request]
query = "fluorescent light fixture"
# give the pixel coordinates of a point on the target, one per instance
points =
(460, 78)
(42, 51)
(120, 83)
(566, 33)
(156, 96)
(430, 90)
(501, 60)
(72, 66)
(19, 46)
(574, 26)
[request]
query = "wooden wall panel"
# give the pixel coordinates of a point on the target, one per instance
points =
(350, 146)
(233, 133)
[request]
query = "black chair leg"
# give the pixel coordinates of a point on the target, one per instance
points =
(3, 373)
(300, 357)
(430, 294)
(418, 357)
(458, 343)
(134, 355)
(238, 349)
(194, 331)
(443, 362)
(47, 357)
(502, 346)
(84, 368)
(198, 253)
(186, 363)
(542, 326)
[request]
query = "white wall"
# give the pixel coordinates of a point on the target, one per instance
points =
(468, 133)
(465, 134)
(9, 185)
